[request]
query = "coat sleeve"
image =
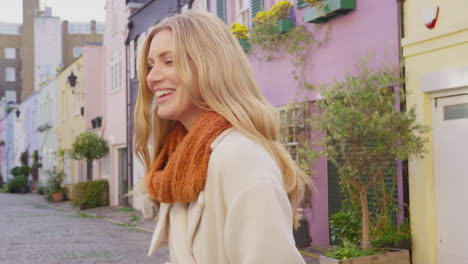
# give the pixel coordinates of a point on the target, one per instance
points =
(259, 227)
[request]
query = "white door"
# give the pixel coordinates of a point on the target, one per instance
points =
(451, 178)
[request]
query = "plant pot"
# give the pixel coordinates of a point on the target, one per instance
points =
(245, 44)
(394, 256)
(57, 197)
(301, 235)
(94, 123)
(328, 10)
(284, 25)
(98, 121)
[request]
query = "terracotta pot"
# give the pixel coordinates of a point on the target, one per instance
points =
(57, 197)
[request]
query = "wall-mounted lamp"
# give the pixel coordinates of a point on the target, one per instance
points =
(72, 78)
(18, 112)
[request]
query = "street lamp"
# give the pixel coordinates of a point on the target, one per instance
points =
(72, 78)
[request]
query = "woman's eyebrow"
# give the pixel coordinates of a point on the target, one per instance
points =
(161, 55)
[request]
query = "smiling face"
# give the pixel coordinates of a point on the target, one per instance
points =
(173, 100)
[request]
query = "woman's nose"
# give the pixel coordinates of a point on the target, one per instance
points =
(155, 75)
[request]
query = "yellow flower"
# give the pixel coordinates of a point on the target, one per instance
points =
(239, 31)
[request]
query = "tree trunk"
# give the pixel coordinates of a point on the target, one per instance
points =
(89, 166)
(365, 219)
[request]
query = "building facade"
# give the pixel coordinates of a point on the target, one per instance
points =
(140, 23)
(94, 88)
(436, 70)
(70, 120)
(75, 35)
(10, 62)
(47, 127)
(376, 22)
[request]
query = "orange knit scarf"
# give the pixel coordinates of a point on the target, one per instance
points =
(179, 172)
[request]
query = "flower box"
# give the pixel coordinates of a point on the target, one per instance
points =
(245, 44)
(394, 256)
(329, 9)
(284, 25)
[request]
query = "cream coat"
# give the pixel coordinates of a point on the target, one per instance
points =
(243, 215)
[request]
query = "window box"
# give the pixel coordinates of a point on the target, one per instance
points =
(245, 44)
(284, 25)
(329, 9)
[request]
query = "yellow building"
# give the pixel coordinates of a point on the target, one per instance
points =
(70, 115)
(436, 61)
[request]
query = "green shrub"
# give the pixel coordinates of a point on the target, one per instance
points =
(349, 250)
(17, 183)
(345, 225)
(91, 194)
(18, 171)
(390, 235)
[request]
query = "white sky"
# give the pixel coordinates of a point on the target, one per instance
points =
(72, 10)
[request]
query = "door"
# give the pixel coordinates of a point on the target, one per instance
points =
(123, 178)
(451, 177)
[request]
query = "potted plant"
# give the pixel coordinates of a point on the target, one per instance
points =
(240, 32)
(93, 123)
(321, 11)
(53, 190)
(98, 121)
(91, 147)
(280, 14)
(365, 135)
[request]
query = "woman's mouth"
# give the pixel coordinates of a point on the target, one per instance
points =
(163, 95)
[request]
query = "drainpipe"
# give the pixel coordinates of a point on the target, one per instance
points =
(401, 165)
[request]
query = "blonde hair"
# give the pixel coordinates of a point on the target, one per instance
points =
(205, 46)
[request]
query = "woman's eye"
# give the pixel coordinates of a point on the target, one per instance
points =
(169, 62)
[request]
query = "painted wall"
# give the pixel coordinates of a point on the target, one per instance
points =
(31, 118)
(48, 44)
(48, 122)
(429, 51)
(18, 136)
(70, 122)
(115, 117)
(3, 147)
(94, 87)
(10, 144)
(371, 27)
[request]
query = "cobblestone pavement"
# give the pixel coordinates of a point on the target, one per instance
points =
(33, 230)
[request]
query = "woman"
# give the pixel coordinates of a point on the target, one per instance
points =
(226, 188)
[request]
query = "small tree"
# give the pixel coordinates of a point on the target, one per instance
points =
(91, 147)
(365, 134)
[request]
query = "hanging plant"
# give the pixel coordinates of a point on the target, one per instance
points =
(241, 33)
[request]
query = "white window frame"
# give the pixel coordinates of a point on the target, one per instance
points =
(10, 74)
(77, 51)
(242, 12)
(10, 95)
(287, 116)
(10, 53)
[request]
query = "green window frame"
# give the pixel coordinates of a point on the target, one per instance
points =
(256, 6)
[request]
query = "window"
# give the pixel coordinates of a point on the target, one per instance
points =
(457, 111)
(10, 74)
(294, 135)
(99, 28)
(257, 6)
(293, 128)
(10, 53)
(10, 29)
(79, 28)
(221, 9)
(116, 71)
(10, 96)
(242, 7)
(77, 51)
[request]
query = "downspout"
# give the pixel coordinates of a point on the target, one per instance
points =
(402, 165)
(129, 110)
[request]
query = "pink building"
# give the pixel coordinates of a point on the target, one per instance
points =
(115, 118)
(371, 27)
(94, 86)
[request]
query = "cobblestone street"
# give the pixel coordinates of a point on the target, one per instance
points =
(36, 231)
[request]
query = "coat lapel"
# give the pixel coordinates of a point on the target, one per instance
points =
(160, 233)
(195, 211)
